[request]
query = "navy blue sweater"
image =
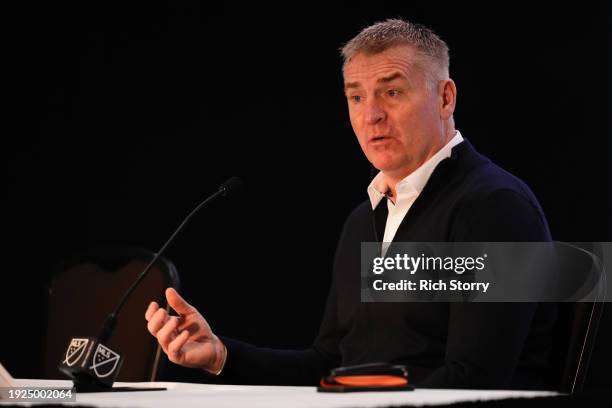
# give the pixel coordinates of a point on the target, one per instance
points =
(445, 345)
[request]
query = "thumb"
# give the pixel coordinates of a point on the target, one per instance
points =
(177, 302)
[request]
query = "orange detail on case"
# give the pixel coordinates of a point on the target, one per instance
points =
(370, 380)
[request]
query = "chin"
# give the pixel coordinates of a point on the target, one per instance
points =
(385, 165)
(380, 161)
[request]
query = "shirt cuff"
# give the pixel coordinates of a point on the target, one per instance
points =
(222, 363)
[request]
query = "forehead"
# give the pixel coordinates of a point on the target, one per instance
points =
(363, 68)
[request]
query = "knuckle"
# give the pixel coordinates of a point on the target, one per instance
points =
(165, 333)
(166, 338)
(173, 353)
(154, 325)
(173, 348)
(151, 327)
(163, 337)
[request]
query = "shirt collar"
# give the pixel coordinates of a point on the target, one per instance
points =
(413, 183)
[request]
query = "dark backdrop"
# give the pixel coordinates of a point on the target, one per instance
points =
(123, 118)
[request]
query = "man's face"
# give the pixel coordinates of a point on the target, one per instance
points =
(395, 117)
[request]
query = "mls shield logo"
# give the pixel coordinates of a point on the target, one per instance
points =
(75, 351)
(104, 361)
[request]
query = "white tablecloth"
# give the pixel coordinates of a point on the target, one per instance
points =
(210, 395)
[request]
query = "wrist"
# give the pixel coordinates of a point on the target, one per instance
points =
(220, 357)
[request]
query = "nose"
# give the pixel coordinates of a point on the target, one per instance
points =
(374, 114)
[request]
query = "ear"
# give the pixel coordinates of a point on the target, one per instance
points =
(448, 98)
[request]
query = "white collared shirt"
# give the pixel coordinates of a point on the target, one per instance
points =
(408, 189)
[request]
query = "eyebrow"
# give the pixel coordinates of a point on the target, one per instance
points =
(382, 80)
(389, 78)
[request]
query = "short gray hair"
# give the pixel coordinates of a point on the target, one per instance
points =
(431, 51)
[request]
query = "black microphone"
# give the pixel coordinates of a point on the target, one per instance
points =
(92, 365)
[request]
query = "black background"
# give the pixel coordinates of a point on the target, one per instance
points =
(122, 118)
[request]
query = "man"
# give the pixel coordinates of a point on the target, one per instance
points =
(432, 186)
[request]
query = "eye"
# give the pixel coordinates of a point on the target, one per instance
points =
(355, 98)
(393, 92)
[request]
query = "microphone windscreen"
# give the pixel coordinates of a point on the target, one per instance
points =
(232, 187)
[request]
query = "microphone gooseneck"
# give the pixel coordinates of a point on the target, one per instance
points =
(230, 188)
(91, 364)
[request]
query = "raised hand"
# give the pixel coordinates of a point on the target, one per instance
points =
(187, 339)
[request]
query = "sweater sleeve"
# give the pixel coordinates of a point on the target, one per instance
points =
(249, 364)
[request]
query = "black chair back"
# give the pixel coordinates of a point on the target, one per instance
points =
(578, 323)
(87, 288)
